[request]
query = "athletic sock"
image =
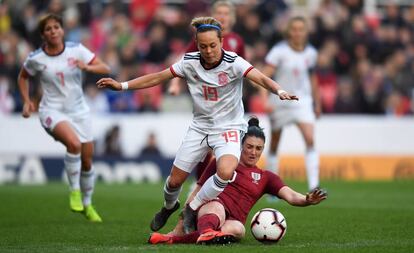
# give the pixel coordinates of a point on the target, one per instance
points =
(87, 183)
(210, 190)
(188, 238)
(208, 221)
(312, 168)
(170, 195)
(273, 163)
(72, 163)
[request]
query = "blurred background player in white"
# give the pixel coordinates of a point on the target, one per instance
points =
(215, 81)
(63, 112)
(292, 62)
(222, 220)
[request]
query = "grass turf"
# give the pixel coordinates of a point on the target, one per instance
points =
(357, 217)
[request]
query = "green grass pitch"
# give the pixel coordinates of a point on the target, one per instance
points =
(357, 217)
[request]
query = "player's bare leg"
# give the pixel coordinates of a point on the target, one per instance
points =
(87, 182)
(64, 133)
(272, 163)
(226, 165)
(235, 228)
(272, 160)
(172, 189)
(311, 156)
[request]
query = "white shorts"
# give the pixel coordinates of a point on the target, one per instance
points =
(82, 126)
(284, 116)
(195, 147)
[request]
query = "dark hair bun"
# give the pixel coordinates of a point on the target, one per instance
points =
(253, 121)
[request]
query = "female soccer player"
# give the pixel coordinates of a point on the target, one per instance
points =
(291, 62)
(224, 11)
(214, 78)
(222, 220)
(63, 112)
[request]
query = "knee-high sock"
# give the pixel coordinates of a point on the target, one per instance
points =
(72, 164)
(188, 238)
(87, 183)
(312, 168)
(273, 163)
(208, 221)
(170, 195)
(210, 190)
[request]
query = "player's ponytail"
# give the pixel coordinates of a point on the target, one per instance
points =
(254, 129)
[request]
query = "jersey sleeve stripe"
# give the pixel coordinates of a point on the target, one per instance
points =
(173, 72)
(247, 71)
(93, 58)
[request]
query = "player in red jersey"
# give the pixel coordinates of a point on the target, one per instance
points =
(222, 220)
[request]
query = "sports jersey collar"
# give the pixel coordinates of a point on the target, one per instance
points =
(217, 64)
(43, 49)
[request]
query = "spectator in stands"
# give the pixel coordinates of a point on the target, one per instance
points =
(112, 142)
(151, 146)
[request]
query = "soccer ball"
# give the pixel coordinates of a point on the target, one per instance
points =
(268, 225)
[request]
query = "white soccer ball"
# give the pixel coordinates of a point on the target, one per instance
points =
(268, 225)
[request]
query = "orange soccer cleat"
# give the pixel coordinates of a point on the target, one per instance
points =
(215, 237)
(158, 238)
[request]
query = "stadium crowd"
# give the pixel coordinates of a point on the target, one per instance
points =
(365, 63)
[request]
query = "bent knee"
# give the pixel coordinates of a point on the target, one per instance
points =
(74, 146)
(226, 175)
(234, 228)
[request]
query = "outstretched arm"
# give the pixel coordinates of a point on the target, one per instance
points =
(97, 66)
(297, 199)
(141, 82)
(259, 78)
(23, 83)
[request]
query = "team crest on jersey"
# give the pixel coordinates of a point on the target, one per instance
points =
(223, 78)
(72, 62)
(48, 121)
(256, 177)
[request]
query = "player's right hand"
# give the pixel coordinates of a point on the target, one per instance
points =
(28, 108)
(108, 83)
(283, 95)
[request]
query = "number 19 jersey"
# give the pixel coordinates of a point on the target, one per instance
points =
(216, 93)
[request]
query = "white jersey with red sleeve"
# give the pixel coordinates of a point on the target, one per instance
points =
(292, 72)
(60, 78)
(216, 92)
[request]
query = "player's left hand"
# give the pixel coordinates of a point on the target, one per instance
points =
(283, 95)
(109, 83)
(316, 196)
(81, 65)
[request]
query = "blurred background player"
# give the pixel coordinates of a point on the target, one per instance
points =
(215, 79)
(222, 220)
(63, 112)
(292, 62)
(224, 11)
